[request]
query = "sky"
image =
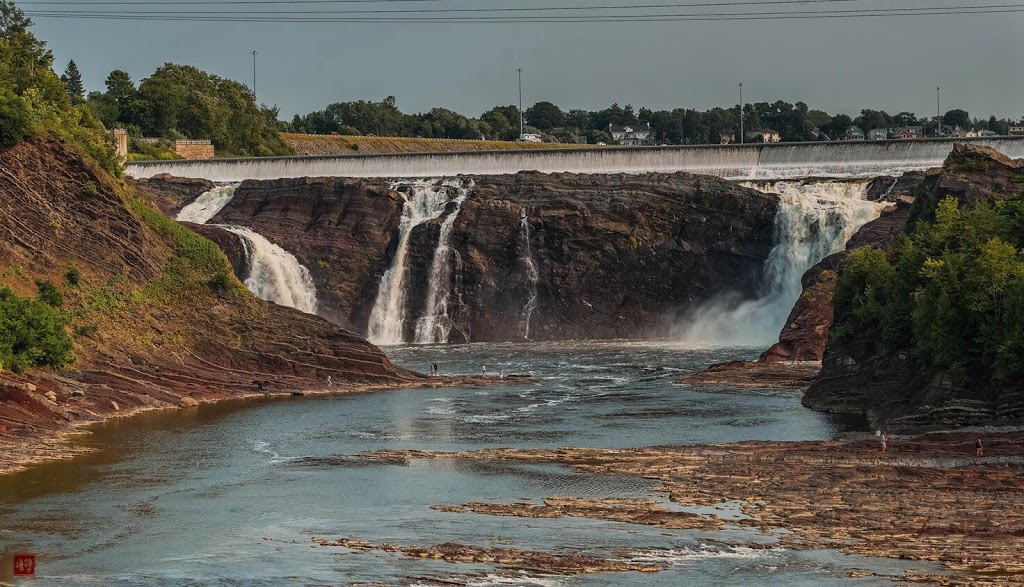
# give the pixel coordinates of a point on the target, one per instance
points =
(837, 65)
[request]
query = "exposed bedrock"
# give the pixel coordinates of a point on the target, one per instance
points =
(531, 255)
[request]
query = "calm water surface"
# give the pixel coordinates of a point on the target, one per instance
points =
(231, 494)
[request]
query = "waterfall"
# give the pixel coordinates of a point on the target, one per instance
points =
(426, 202)
(206, 206)
(437, 324)
(275, 274)
(814, 221)
(532, 277)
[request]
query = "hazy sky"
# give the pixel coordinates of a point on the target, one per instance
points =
(891, 63)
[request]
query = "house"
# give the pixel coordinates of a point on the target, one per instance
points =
(951, 131)
(763, 135)
(1016, 130)
(726, 138)
(634, 135)
(878, 134)
(854, 133)
(987, 133)
(908, 132)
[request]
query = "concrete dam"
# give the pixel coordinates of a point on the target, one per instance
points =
(736, 162)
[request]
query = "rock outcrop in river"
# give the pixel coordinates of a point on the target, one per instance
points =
(527, 256)
(893, 384)
(157, 322)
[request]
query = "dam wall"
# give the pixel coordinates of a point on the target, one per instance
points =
(737, 162)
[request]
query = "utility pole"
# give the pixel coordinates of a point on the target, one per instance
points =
(938, 111)
(254, 53)
(742, 135)
(520, 103)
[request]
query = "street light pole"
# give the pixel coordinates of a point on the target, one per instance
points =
(520, 103)
(254, 53)
(742, 135)
(938, 110)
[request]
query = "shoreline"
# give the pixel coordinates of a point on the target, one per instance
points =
(18, 455)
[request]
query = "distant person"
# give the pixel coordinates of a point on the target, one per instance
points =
(329, 382)
(259, 385)
(884, 440)
(436, 372)
(483, 370)
(979, 447)
(501, 373)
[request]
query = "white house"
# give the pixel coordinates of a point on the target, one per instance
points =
(635, 135)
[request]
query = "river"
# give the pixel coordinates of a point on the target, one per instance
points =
(232, 494)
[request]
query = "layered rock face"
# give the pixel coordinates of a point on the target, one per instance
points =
(894, 386)
(548, 257)
(143, 339)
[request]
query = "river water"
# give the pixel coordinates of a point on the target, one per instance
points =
(231, 494)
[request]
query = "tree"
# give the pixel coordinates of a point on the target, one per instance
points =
(12, 20)
(121, 88)
(905, 119)
(72, 80)
(957, 117)
(545, 116)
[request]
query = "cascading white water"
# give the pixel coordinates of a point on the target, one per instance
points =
(437, 324)
(780, 161)
(274, 274)
(206, 206)
(532, 277)
(814, 221)
(426, 202)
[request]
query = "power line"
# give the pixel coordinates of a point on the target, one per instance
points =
(526, 9)
(336, 17)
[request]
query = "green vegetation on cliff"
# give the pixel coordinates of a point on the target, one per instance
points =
(34, 333)
(951, 290)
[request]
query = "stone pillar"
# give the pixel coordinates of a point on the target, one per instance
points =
(120, 138)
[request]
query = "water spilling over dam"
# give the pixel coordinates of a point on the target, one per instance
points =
(773, 161)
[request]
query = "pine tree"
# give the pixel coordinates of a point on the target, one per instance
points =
(72, 79)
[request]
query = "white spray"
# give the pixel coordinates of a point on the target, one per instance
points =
(532, 277)
(814, 221)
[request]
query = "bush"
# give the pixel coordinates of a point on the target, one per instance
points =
(74, 276)
(32, 334)
(15, 120)
(220, 282)
(49, 294)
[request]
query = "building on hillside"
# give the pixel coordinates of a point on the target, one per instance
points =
(908, 132)
(633, 135)
(878, 134)
(854, 133)
(1016, 130)
(763, 135)
(727, 137)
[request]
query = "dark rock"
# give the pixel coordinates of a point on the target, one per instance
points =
(170, 194)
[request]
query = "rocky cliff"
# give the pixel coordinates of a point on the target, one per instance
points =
(155, 321)
(616, 255)
(893, 385)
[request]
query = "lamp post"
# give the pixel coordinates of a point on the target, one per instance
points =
(520, 103)
(742, 135)
(938, 111)
(254, 53)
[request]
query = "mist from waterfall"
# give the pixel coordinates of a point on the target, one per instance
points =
(532, 277)
(815, 219)
(436, 326)
(275, 274)
(424, 201)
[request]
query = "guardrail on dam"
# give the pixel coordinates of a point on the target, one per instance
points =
(773, 161)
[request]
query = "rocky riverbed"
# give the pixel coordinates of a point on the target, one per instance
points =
(930, 498)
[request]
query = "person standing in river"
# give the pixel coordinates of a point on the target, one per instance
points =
(979, 447)
(483, 370)
(329, 382)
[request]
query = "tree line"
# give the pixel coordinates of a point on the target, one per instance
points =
(794, 122)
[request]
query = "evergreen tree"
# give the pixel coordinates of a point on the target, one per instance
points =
(72, 79)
